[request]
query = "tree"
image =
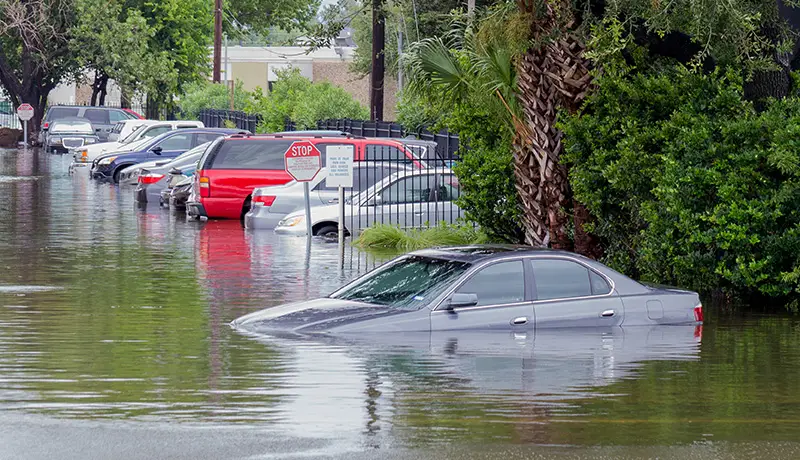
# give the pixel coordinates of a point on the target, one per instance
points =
(114, 43)
(34, 50)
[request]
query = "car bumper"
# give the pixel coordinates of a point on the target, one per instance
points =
(102, 173)
(259, 218)
(195, 209)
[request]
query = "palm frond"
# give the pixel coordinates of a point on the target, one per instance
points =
(433, 65)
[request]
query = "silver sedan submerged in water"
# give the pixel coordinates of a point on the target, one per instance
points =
(482, 287)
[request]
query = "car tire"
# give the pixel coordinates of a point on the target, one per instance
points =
(246, 208)
(327, 231)
(115, 176)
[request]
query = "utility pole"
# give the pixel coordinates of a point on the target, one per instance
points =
(217, 40)
(376, 75)
(400, 54)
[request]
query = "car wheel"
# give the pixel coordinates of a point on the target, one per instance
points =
(117, 173)
(246, 208)
(327, 231)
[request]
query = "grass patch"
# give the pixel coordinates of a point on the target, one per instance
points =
(391, 238)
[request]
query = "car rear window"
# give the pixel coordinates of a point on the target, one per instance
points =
(250, 154)
(57, 113)
(98, 116)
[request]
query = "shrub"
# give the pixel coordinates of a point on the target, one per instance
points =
(206, 95)
(383, 237)
(689, 184)
(296, 98)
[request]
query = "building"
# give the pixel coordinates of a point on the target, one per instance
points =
(256, 66)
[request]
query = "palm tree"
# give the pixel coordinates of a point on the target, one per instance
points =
(530, 81)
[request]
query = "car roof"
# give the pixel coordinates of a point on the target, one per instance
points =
(480, 252)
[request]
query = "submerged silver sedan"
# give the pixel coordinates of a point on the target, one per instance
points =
(482, 287)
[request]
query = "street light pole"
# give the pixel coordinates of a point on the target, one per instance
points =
(217, 40)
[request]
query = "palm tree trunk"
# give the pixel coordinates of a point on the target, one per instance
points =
(551, 75)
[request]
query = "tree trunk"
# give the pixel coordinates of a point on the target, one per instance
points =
(552, 76)
(153, 109)
(103, 89)
(124, 99)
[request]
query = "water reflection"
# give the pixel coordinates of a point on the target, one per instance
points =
(109, 311)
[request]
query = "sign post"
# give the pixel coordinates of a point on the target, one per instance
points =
(303, 161)
(25, 113)
(339, 164)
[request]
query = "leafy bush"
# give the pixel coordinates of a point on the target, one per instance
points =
(296, 98)
(689, 184)
(391, 238)
(206, 95)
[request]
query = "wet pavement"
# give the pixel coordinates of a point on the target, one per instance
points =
(114, 343)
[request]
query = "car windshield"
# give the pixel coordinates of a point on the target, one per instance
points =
(81, 127)
(130, 137)
(409, 284)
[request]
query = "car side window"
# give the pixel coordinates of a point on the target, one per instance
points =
(55, 113)
(599, 284)
(498, 284)
(98, 116)
(449, 188)
(561, 279)
(377, 152)
(177, 142)
(155, 131)
(117, 115)
(414, 189)
(251, 154)
(202, 138)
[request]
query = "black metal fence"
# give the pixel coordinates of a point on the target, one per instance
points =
(215, 118)
(447, 143)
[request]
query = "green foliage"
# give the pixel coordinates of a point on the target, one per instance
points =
(245, 17)
(466, 82)
(298, 99)
(691, 186)
(391, 238)
(207, 95)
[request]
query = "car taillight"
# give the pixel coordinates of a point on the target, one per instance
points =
(263, 200)
(46, 125)
(698, 313)
(150, 178)
(205, 187)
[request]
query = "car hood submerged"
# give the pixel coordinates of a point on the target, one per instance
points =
(314, 316)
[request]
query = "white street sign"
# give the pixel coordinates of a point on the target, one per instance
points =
(339, 163)
(25, 112)
(303, 161)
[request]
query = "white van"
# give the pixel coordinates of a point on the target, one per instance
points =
(141, 133)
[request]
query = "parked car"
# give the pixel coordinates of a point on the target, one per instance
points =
(270, 205)
(69, 133)
(178, 193)
(233, 167)
(151, 179)
(145, 130)
(408, 199)
(513, 288)
(101, 118)
(168, 145)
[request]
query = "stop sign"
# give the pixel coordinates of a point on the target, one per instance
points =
(303, 161)
(25, 112)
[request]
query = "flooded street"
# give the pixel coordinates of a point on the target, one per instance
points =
(115, 343)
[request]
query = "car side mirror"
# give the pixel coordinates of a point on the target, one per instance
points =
(461, 300)
(157, 150)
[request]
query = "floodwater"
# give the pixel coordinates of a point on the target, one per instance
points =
(114, 343)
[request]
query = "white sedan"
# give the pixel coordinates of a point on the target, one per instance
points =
(408, 199)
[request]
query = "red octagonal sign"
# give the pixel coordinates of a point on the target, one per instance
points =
(303, 161)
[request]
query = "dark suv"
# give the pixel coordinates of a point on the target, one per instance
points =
(103, 119)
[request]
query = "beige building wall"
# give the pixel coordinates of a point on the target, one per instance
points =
(338, 73)
(251, 74)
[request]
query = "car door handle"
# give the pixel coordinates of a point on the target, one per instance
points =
(519, 321)
(607, 313)
(332, 201)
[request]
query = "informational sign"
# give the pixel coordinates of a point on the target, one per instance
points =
(303, 161)
(25, 112)
(339, 164)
